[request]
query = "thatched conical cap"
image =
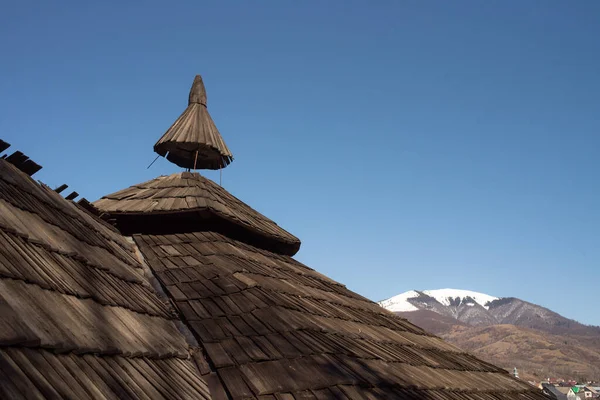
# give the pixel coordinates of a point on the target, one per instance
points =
(194, 141)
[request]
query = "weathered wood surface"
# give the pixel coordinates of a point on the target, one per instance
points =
(20, 160)
(3, 145)
(274, 328)
(193, 141)
(79, 318)
(191, 192)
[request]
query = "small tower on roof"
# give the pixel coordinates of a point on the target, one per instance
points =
(193, 141)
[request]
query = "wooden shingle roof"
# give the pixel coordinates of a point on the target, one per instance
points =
(190, 194)
(89, 313)
(79, 316)
(273, 328)
(193, 141)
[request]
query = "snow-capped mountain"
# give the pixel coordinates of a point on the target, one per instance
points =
(400, 302)
(464, 305)
(446, 297)
(480, 309)
(456, 297)
(504, 330)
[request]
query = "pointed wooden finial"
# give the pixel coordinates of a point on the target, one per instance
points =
(194, 141)
(197, 92)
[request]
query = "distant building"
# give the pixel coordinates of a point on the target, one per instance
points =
(553, 392)
(581, 392)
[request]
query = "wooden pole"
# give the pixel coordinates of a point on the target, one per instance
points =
(195, 159)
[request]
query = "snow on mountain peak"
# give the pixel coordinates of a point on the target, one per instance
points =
(444, 296)
(400, 302)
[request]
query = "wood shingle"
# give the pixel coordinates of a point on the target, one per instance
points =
(80, 319)
(158, 206)
(285, 331)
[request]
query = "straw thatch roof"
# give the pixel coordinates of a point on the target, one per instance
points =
(80, 318)
(188, 201)
(194, 141)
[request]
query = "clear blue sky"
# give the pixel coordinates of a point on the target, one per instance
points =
(409, 144)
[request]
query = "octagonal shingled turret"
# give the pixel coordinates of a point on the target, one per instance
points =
(194, 141)
(187, 201)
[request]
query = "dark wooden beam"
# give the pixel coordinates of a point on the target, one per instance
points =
(72, 195)
(30, 167)
(84, 203)
(17, 158)
(22, 162)
(61, 188)
(3, 145)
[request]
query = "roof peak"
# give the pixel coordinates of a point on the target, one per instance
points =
(197, 92)
(193, 141)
